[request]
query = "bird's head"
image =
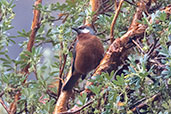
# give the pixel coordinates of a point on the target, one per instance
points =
(84, 29)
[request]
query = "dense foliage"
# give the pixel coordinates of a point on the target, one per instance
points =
(139, 82)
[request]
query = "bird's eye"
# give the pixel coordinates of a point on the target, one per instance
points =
(81, 28)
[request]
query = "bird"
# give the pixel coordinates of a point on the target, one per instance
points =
(87, 53)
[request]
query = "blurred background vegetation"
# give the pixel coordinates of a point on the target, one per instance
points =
(37, 94)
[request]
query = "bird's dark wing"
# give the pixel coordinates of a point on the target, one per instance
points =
(74, 56)
(69, 84)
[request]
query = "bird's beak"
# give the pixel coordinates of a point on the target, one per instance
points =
(77, 30)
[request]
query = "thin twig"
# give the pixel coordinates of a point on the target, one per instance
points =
(51, 94)
(138, 46)
(2, 93)
(62, 65)
(79, 109)
(1, 15)
(153, 46)
(3, 104)
(60, 17)
(65, 18)
(61, 72)
(99, 33)
(157, 63)
(153, 98)
(47, 41)
(130, 3)
(105, 40)
(114, 21)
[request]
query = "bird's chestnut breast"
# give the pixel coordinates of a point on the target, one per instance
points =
(89, 52)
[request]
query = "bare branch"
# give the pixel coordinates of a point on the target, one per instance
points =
(114, 21)
(34, 28)
(153, 98)
(3, 104)
(77, 110)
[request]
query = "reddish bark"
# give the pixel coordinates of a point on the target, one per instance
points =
(34, 28)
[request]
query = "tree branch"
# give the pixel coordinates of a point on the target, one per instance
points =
(3, 104)
(114, 21)
(79, 109)
(153, 98)
(35, 26)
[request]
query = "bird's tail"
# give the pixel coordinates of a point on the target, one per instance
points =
(69, 84)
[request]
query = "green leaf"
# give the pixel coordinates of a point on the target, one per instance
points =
(2, 59)
(107, 76)
(28, 53)
(23, 56)
(48, 33)
(163, 16)
(5, 2)
(95, 89)
(82, 98)
(2, 53)
(5, 79)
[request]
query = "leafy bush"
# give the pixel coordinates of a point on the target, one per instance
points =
(147, 74)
